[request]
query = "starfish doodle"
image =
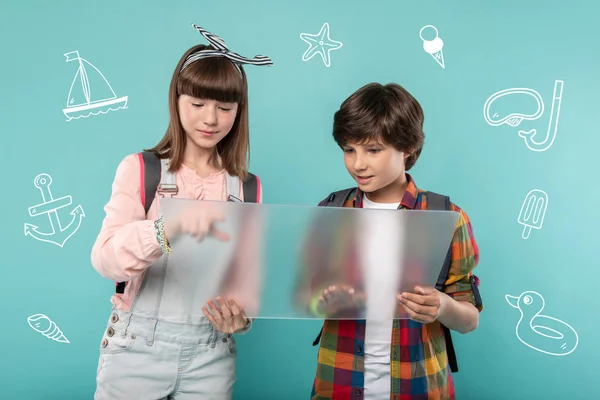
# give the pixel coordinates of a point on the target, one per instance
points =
(321, 44)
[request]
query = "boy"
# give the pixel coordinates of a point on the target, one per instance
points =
(379, 128)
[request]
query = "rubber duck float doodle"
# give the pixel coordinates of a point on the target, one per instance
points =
(46, 327)
(542, 333)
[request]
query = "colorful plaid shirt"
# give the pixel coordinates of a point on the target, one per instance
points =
(419, 364)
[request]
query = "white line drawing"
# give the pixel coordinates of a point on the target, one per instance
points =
(84, 101)
(321, 44)
(47, 327)
(529, 136)
(533, 211)
(50, 206)
(433, 47)
(515, 119)
(545, 334)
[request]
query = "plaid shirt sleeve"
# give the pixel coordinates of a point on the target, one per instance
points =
(461, 283)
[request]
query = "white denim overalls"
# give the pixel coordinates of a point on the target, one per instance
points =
(164, 347)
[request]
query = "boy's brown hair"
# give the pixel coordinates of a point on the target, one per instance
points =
(215, 78)
(382, 113)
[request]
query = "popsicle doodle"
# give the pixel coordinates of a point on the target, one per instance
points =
(47, 327)
(533, 211)
(434, 46)
(496, 113)
(539, 332)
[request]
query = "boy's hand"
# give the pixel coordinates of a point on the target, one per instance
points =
(425, 305)
(340, 301)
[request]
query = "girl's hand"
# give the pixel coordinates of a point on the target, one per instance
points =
(198, 221)
(425, 305)
(227, 316)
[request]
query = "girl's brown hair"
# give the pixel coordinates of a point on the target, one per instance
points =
(387, 113)
(215, 78)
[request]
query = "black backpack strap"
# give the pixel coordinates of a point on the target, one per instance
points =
(151, 166)
(151, 176)
(337, 199)
(250, 187)
(437, 201)
(440, 202)
(318, 338)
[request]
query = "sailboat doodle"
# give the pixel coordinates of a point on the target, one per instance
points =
(50, 206)
(90, 92)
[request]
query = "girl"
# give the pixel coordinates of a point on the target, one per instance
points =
(153, 348)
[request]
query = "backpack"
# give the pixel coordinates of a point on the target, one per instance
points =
(150, 166)
(435, 201)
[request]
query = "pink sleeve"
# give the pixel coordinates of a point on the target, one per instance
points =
(260, 191)
(126, 245)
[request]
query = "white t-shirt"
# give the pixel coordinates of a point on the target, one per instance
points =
(381, 276)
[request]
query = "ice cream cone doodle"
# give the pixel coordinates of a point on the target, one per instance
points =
(433, 46)
(50, 206)
(47, 327)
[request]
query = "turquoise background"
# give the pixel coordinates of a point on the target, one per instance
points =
(488, 171)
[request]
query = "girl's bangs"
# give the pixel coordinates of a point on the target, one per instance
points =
(214, 78)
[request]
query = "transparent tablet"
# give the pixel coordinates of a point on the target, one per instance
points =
(276, 261)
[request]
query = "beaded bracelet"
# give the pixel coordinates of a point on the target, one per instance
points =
(159, 231)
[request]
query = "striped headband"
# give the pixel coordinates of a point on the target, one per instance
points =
(221, 50)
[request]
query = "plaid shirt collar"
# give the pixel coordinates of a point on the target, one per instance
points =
(409, 200)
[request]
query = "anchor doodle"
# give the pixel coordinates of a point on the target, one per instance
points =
(50, 206)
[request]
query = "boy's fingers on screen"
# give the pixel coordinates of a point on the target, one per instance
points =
(412, 314)
(415, 298)
(421, 313)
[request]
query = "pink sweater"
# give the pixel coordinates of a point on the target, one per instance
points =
(126, 244)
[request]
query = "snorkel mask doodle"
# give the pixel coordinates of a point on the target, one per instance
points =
(514, 118)
(494, 117)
